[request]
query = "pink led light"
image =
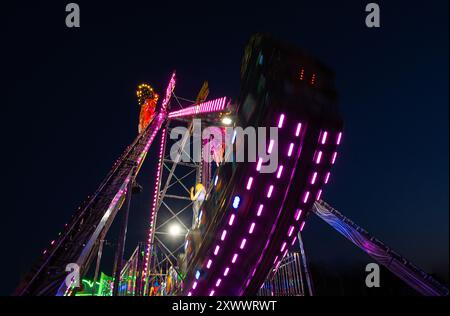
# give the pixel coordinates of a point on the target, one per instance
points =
(280, 172)
(306, 197)
(218, 282)
(269, 193)
(224, 234)
(333, 160)
(225, 273)
(302, 226)
(258, 166)
(189, 294)
(52, 243)
(276, 258)
(252, 227)
(235, 256)
(216, 251)
(294, 240)
(298, 214)
(194, 286)
(281, 121)
(271, 143)
(324, 138)
(211, 293)
(208, 265)
(283, 247)
(339, 138)
(291, 230)
(249, 183)
(231, 221)
(314, 177)
(327, 177)
(291, 149)
(319, 194)
(299, 129)
(319, 157)
(243, 242)
(260, 209)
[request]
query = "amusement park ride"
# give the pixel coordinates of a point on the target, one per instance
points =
(245, 223)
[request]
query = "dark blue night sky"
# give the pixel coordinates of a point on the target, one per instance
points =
(71, 110)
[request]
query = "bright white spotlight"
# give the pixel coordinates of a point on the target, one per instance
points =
(227, 121)
(175, 230)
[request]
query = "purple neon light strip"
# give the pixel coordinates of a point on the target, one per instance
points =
(278, 215)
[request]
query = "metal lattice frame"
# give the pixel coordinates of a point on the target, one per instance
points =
(172, 205)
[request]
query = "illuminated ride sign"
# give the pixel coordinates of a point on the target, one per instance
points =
(205, 107)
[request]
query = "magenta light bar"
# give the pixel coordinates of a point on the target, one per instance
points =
(305, 198)
(260, 209)
(319, 194)
(231, 221)
(294, 240)
(319, 157)
(252, 228)
(333, 160)
(324, 138)
(281, 121)
(339, 138)
(298, 214)
(249, 183)
(208, 265)
(299, 129)
(280, 172)
(314, 177)
(269, 193)
(243, 242)
(224, 234)
(271, 143)
(258, 166)
(216, 251)
(235, 256)
(302, 226)
(205, 107)
(291, 148)
(291, 230)
(225, 273)
(327, 177)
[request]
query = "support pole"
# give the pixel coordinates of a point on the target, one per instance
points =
(121, 242)
(99, 258)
